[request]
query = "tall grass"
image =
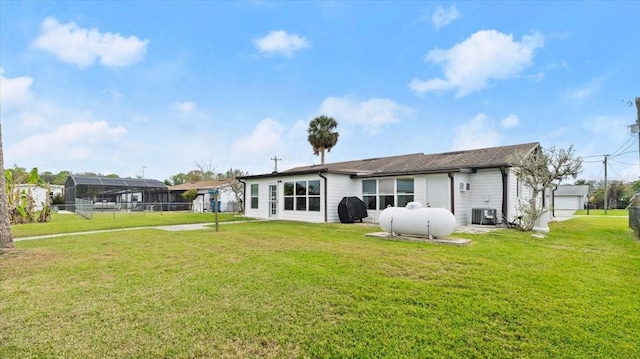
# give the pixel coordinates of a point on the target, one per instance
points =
(289, 290)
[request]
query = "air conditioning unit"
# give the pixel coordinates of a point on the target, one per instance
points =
(483, 216)
(464, 186)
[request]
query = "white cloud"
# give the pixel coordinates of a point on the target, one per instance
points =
(73, 140)
(583, 92)
(477, 133)
(442, 17)
(281, 43)
(486, 55)
(510, 121)
(265, 139)
(82, 47)
(371, 114)
(14, 91)
(184, 107)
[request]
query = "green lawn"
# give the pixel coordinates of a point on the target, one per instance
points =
(600, 212)
(69, 223)
(296, 290)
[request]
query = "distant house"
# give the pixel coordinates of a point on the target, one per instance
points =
(38, 193)
(570, 197)
(477, 186)
(204, 201)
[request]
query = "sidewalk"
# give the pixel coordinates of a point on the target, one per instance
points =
(170, 228)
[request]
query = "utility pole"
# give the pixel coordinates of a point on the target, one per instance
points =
(605, 184)
(143, 167)
(276, 159)
(638, 124)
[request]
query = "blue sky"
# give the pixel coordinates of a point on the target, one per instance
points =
(121, 87)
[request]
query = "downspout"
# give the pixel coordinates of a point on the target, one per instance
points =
(553, 201)
(505, 194)
(244, 196)
(325, 195)
(453, 193)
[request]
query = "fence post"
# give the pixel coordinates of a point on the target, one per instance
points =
(634, 220)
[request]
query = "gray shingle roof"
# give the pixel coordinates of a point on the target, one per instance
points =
(417, 162)
(572, 190)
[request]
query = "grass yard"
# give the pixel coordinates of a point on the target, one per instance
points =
(600, 212)
(69, 223)
(296, 290)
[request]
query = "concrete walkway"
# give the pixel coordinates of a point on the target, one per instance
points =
(170, 228)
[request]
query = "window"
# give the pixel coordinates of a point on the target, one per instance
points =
(405, 191)
(302, 196)
(314, 195)
(369, 191)
(254, 196)
(386, 196)
(382, 193)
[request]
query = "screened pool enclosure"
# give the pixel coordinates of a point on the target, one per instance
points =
(118, 194)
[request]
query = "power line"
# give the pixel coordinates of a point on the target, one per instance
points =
(624, 163)
(624, 144)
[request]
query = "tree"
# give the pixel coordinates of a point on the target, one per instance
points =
(206, 170)
(235, 186)
(190, 195)
(538, 169)
(6, 239)
(61, 178)
(322, 135)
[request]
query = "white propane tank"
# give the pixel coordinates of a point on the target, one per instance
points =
(417, 220)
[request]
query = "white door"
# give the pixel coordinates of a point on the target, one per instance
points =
(438, 191)
(273, 201)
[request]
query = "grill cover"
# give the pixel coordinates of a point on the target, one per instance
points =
(351, 209)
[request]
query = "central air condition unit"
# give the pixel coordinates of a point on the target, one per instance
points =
(483, 216)
(464, 186)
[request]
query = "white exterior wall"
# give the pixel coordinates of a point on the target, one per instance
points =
(438, 191)
(39, 194)
(262, 212)
(512, 192)
(430, 190)
(340, 186)
(486, 191)
(462, 212)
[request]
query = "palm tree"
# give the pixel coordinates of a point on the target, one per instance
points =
(6, 239)
(322, 135)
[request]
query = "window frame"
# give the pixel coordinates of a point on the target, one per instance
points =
(302, 196)
(378, 193)
(255, 197)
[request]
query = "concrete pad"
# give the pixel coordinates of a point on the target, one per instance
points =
(410, 238)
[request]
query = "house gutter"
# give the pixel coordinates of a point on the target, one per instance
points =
(553, 200)
(452, 193)
(505, 193)
(325, 195)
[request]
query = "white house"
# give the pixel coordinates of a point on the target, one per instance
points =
(203, 202)
(477, 186)
(39, 194)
